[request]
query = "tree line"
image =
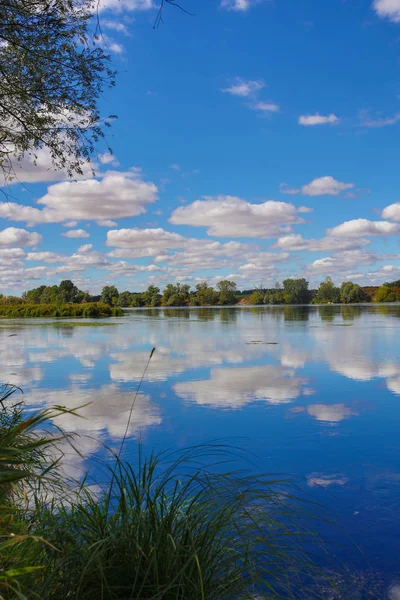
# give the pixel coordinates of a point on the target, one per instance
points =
(291, 291)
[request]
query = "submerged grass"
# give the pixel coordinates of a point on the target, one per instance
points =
(90, 309)
(171, 526)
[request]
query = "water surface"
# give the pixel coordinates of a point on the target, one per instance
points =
(311, 391)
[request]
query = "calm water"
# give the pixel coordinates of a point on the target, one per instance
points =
(312, 392)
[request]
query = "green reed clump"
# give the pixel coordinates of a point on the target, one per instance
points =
(166, 527)
(164, 531)
(28, 472)
(90, 309)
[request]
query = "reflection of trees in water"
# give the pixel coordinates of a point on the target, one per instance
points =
(328, 313)
(392, 311)
(228, 315)
(207, 314)
(296, 313)
(180, 313)
(351, 312)
(66, 331)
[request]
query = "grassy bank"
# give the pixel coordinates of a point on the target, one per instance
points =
(163, 528)
(88, 310)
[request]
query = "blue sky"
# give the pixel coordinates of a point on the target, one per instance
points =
(255, 140)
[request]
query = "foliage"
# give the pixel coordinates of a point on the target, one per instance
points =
(52, 75)
(151, 297)
(257, 297)
(327, 293)
(176, 295)
(295, 291)
(205, 295)
(66, 292)
(159, 532)
(388, 293)
(352, 293)
(227, 292)
(109, 295)
(95, 309)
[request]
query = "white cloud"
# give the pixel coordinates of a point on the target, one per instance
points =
(175, 167)
(107, 223)
(31, 170)
(11, 236)
(367, 121)
(388, 9)
(244, 88)
(230, 216)
(347, 259)
(239, 5)
(392, 212)
(47, 257)
(295, 242)
(85, 248)
(125, 5)
(115, 196)
(142, 242)
(76, 233)
(322, 186)
(108, 159)
(265, 107)
(360, 227)
(317, 119)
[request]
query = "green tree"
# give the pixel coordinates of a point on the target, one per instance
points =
(109, 295)
(227, 292)
(125, 299)
(68, 291)
(257, 297)
(53, 72)
(152, 296)
(295, 291)
(352, 293)
(327, 293)
(205, 295)
(176, 295)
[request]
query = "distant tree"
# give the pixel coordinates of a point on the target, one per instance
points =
(109, 295)
(295, 291)
(68, 291)
(125, 299)
(176, 295)
(352, 293)
(327, 293)
(151, 297)
(387, 293)
(257, 297)
(227, 292)
(205, 295)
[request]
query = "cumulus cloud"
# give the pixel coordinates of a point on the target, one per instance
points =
(76, 233)
(108, 159)
(322, 186)
(392, 212)
(360, 227)
(47, 257)
(115, 196)
(317, 119)
(388, 9)
(296, 242)
(34, 170)
(244, 87)
(230, 216)
(348, 259)
(11, 236)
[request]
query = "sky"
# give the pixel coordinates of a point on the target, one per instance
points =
(255, 141)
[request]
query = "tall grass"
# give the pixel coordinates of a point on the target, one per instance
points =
(171, 526)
